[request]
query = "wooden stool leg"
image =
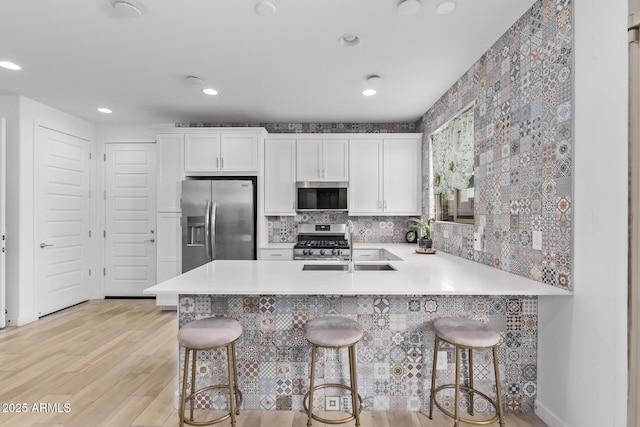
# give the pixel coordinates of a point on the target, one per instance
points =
(456, 404)
(498, 388)
(354, 383)
(183, 398)
(311, 385)
(193, 382)
(232, 386)
(470, 382)
(433, 376)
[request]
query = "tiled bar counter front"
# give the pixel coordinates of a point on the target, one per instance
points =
(394, 357)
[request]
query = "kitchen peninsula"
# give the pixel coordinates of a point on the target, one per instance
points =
(273, 300)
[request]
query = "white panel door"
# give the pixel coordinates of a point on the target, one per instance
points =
(130, 219)
(62, 217)
(3, 231)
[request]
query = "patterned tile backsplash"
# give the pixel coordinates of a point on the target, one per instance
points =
(522, 90)
(394, 357)
(318, 127)
(367, 229)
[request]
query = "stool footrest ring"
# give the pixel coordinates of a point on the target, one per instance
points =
(325, 420)
(466, 420)
(216, 420)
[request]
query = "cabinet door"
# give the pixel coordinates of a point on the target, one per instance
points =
(401, 177)
(309, 160)
(279, 176)
(335, 158)
(276, 254)
(239, 153)
(201, 153)
(365, 177)
(168, 246)
(170, 173)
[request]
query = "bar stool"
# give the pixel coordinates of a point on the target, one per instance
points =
(473, 335)
(210, 334)
(333, 332)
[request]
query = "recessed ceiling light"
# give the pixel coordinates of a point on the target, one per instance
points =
(408, 7)
(210, 91)
(349, 40)
(369, 92)
(127, 9)
(10, 66)
(194, 80)
(105, 110)
(446, 7)
(264, 8)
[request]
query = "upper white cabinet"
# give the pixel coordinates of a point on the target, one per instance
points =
(170, 173)
(206, 153)
(384, 176)
(279, 176)
(322, 160)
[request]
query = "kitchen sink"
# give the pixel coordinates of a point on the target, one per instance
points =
(374, 267)
(345, 267)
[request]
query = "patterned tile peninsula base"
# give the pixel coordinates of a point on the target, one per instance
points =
(394, 357)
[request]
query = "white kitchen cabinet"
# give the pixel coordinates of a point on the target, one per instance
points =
(270, 254)
(210, 153)
(170, 148)
(168, 253)
(279, 176)
(384, 176)
(322, 160)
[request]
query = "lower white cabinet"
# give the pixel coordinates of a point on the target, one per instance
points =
(270, 254)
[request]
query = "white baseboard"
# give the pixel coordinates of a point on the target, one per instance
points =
(549, 418)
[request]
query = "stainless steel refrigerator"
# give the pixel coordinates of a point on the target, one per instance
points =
(218, 220)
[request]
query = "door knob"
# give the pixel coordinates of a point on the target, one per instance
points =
(150, 240)
(43, 245)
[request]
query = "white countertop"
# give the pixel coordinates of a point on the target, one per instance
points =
(417, 274)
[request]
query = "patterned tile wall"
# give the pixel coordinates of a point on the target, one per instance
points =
(367, 229)
(318, 127)
(394, 356)
(523, 163)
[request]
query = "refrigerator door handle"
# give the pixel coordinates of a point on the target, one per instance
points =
(212, 241)
(207, 230)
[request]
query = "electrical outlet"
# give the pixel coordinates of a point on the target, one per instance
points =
(477, 241)
(445, 234)
(331, 403)
(441, 365)
(537, 240)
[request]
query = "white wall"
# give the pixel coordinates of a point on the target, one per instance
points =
(582, 360)
(22, 116)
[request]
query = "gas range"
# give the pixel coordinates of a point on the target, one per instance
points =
(321, 241)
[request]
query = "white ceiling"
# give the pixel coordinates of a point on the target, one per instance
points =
(78, 55)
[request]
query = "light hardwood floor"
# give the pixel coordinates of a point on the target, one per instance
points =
(113, 362)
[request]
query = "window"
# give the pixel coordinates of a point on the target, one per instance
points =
(452, 169)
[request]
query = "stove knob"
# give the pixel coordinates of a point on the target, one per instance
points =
(310, 252)
(335, 252)
(305, 252)
(321, 251)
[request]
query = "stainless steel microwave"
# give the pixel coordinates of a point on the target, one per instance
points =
(322, 196)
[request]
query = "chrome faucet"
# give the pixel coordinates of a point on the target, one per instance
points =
(349, 237)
